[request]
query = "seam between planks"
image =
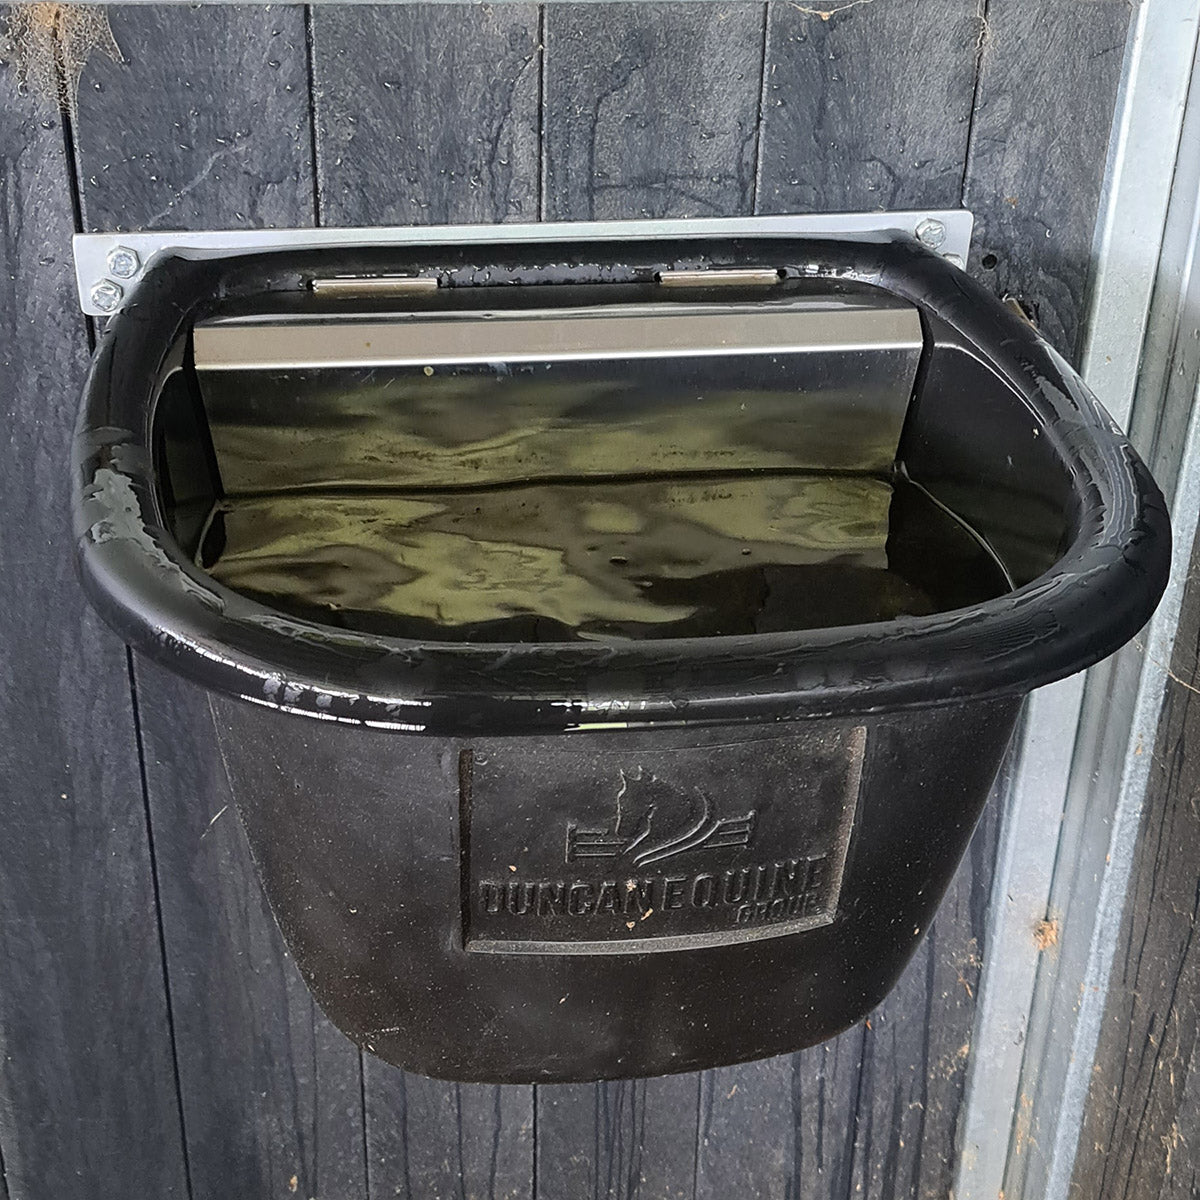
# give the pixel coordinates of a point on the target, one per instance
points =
(543, 173)
(3, 1174)
(74, 187)
(310, 68)
(543, 182)
(158, 915)
(981, 13)
(317, 220)
(756, 180)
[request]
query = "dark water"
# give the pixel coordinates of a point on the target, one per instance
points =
(663, 557)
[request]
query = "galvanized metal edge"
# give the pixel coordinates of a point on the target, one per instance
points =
(1091, 993)
(107, 265)
(1025, 864)
(1137, 191)
(1165, 399)
(1005, 1068)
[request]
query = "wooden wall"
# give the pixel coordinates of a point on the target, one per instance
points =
(155, 1040)
(1139, 1139)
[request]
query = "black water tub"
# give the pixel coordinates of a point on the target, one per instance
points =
(611, 647)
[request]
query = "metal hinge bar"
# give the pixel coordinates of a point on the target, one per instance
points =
(722, 277)
(107, 265)
(359, 287)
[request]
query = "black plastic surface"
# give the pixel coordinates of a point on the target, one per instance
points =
(377, 883)
(1089, 600)
(592, 859)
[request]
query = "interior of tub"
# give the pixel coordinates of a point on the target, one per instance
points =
(548, 464)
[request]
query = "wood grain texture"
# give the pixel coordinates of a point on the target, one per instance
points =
(427, 115)
(817, 1124)
(1139, 1134)
(872, 1113)
(918, 1041)
(271, 1092)
(784, 1127)
(429, 1140)
(826, 1085)
(746, 1126)
(651, 110)
(869, 108)
(206, 122)
(627, 1140)
(1047, 87)
(87, 1090)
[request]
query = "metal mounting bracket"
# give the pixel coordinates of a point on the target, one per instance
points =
(107, 265)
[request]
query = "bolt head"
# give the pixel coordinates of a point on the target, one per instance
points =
(123, 262)
(107, 296)
(955, 260)
(931, 232)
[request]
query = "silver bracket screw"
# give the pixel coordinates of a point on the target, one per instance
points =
(107, 296)
(123, 262)
(931, 233)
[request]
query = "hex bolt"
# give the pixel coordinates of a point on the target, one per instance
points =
(123, 262)
(107, 296)
(955, 260)
(931, 232)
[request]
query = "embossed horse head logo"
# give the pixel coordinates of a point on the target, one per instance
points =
(654, 821)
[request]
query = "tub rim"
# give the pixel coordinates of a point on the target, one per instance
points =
(1097, 595)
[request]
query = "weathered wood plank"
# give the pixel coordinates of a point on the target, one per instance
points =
(206, 121)
(1048, 83)
(428, 1140)
(918, 1041)
(746, 1130)
(784, 1127)
(87, 1092)
(651, 110)
(628, 1140)
(207, 124)
(1047, 88)
(272, 1092)
(427, 114)
(873, 1112)
(1138, 1138)
(1181, 1172)
(869, 107)
(826, 1083)
(424, 112)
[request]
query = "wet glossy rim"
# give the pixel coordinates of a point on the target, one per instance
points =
(1097, 596)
